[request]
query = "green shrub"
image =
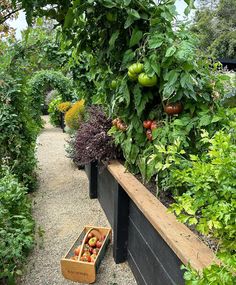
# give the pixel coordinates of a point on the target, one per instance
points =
(53, 111)
(18, 131)
(16, 226)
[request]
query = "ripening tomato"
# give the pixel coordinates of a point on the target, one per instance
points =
(77, 250)
(147, 124)
(154, 125)
(149, 135)
(147, 81)
(132, 76)
(173, 108)
(136, 68)
(85, 258)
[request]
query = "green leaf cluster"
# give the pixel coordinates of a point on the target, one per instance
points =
(16, 226)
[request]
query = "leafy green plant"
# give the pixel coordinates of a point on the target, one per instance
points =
(43, 81)
(210, 180)
(54, 113)
(18, 131)
(16, 226)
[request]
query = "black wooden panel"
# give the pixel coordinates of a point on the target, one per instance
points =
(91, 170)
(152, 260)
(120, 229)
(106, 188)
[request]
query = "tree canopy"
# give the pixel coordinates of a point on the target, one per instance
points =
(216, 27)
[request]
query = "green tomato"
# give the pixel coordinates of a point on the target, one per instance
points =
(113, 84)
(147, 81)
(136, 68)
(132, 76)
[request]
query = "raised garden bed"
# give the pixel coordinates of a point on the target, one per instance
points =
(151, 239)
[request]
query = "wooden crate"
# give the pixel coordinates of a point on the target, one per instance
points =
(84, 272)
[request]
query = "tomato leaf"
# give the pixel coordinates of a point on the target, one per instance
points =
(113, 39)
(170, 51)
(135, 37)
(155, 41)
(128, 57)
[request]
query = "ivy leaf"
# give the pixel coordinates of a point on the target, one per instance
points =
(135, 37)
(170, 51)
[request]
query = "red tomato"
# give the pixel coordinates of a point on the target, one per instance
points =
(93, 257)
(154, 125)
(149, 135)
(147, 124)
(90, 235)
(86, 253)
(77, 250)
(85, 258)
(173, 108)
(95, 250)
(98, 244)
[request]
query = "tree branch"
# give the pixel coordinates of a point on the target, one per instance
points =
(6, 17)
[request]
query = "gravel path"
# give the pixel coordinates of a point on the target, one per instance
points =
(61, 208)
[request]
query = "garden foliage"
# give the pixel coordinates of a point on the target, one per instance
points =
(74, 116)
(64, 106)
(92, 143)
(192, 143)
(54, 113)
(16, 226)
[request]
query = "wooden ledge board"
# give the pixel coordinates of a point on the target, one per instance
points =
(186, 245)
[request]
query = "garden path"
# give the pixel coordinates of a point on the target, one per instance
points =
(61, 208)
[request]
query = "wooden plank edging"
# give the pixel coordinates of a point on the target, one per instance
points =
(186, 245)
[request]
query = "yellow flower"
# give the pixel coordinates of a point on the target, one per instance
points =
(75, 115)
(64, 106)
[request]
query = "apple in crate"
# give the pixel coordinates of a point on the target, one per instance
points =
(92, 242)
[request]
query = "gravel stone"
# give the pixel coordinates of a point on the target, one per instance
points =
(61, 208)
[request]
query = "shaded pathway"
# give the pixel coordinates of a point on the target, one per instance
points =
(61, 208)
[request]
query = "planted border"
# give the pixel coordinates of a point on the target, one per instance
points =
(145, 233)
